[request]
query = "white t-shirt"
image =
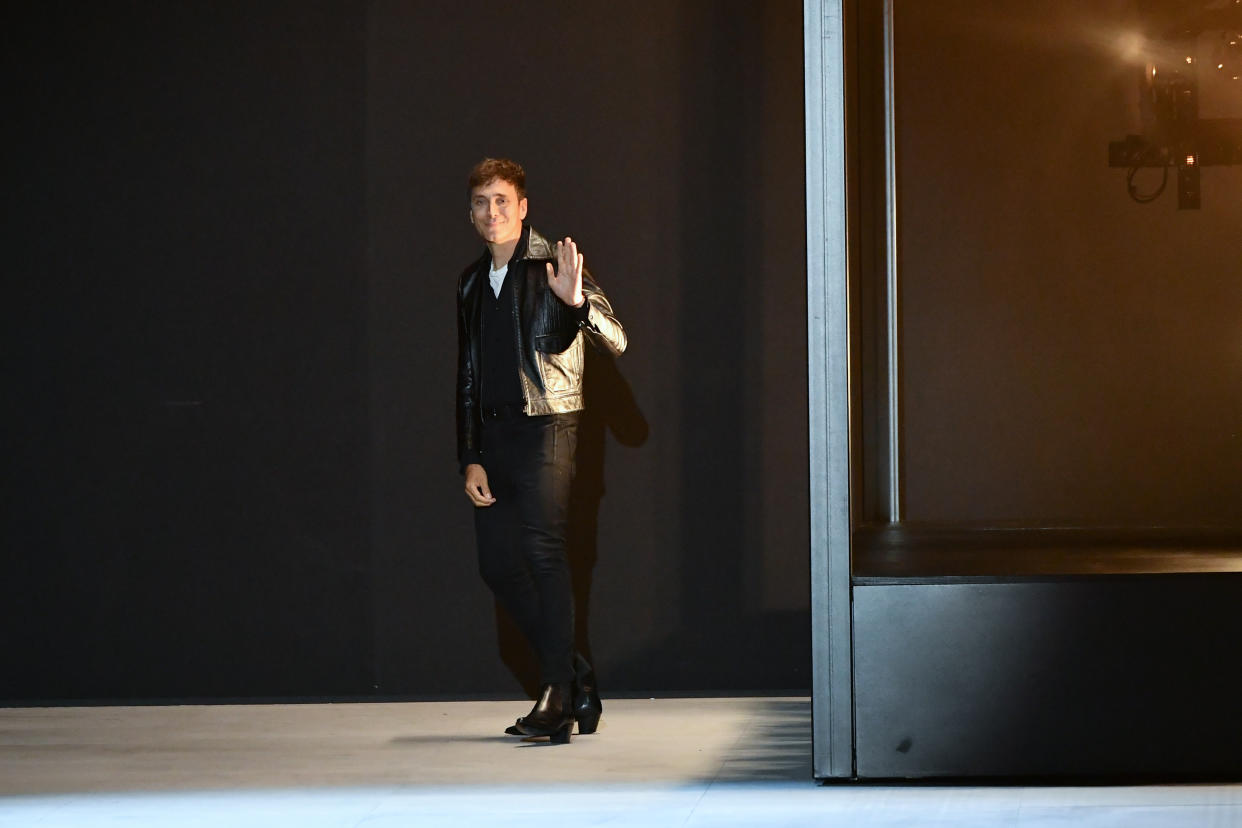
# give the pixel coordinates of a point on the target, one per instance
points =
(498, 278)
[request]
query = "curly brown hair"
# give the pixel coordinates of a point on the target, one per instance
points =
(489, 169)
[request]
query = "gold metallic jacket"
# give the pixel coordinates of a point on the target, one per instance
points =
(550, 339)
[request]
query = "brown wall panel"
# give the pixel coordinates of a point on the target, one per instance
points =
(1069, 356)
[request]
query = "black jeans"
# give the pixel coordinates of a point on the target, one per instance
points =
(521, 537)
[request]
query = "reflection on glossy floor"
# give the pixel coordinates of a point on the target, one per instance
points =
(738, 761)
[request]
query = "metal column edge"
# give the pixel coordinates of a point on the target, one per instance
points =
(828, 388)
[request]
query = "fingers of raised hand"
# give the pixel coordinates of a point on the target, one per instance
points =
(568, 256)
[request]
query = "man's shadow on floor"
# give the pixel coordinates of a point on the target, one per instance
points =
(610, 406)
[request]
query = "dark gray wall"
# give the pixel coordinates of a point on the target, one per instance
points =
(186, 407)
(667, 140)
(234, 232)
(1069, 356)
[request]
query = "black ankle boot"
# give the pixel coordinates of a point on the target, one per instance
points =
(587, 705)
(552, 715)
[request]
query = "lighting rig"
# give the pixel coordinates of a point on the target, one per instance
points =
(1173, 134)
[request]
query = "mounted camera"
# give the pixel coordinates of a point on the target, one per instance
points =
(1169, 102)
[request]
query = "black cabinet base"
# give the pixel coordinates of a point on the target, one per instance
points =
(1120, 676)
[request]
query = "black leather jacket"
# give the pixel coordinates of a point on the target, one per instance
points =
(549, 339)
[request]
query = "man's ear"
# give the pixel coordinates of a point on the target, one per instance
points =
(522, 209)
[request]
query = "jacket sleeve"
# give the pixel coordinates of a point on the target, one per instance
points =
(467, 392)
(600, 324)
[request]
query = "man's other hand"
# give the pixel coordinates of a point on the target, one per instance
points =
(566, 279)
(476, 486)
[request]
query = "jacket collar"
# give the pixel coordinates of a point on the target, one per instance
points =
(537, 247)
(530, 246)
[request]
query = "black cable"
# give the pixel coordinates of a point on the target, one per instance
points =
(1146, 199)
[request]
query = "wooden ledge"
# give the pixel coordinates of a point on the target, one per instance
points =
(921, 552)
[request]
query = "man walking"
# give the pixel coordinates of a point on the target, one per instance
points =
(524, 311)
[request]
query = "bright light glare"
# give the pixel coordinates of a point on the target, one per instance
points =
(1131, 45)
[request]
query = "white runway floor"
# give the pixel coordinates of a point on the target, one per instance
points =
(666, 762)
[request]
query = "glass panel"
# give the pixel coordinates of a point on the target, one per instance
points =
(1069, 356)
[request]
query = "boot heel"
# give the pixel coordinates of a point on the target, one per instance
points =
(587, 705)
(588, 722)
(561, 737)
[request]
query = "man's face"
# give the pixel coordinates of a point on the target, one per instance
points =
(497, 212)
